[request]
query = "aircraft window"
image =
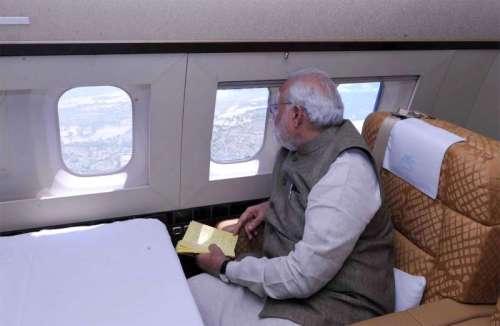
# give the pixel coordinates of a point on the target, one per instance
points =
(360, 99)
(239, 124)
(95, 128)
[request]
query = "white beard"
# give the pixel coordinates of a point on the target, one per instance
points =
(283, 139)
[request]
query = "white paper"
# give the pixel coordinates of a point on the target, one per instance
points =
(415, 153)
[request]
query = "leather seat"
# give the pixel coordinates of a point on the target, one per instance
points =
(454, 241)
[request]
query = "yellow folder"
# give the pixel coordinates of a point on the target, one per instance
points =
(199, 236)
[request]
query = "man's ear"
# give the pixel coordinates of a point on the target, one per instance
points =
(298, 116)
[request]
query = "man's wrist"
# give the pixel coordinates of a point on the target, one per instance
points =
(223, 267)
(222, 271)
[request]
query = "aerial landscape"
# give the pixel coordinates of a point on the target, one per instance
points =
(97, 134)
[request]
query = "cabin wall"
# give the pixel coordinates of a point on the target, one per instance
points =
(485, 115)
(19, 177)
(175, 96)
(468, 95)
(252, 20)
(35, 186)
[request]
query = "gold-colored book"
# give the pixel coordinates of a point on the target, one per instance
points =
(199, 237)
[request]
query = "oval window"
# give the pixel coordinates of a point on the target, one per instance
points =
(96, 129)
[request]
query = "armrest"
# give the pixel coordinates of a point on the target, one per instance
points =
(226, 223)
(245, 246)
(444, 312)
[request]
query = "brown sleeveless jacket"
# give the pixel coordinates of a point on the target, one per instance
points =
(364, 286)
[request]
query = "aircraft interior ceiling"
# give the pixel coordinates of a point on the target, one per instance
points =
(226, 20)
(174, 67)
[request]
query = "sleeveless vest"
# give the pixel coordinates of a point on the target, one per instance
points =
(364, 286)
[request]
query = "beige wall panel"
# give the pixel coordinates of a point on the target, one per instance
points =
(485, 116)
(44, 78)
(459, 90)
(429, 84)
(255, 20)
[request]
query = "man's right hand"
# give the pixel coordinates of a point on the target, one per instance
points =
(251, 218)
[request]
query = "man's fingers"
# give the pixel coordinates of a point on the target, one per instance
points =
(252, 226)
(247, 214)
(214, 248)
(243, 220)
(248, 231)
(216, 251)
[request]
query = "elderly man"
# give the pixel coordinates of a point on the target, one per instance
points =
(327, 255)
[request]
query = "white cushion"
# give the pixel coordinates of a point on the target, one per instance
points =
(409, 289)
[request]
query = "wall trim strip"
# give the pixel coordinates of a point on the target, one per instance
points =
(45, 49)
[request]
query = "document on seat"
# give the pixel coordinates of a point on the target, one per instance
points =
(199, 237)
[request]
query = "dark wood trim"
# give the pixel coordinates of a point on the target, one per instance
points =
(44, 49)
(211, 215)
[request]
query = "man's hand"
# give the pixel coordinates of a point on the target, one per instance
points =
(251, 218)
(211, 262)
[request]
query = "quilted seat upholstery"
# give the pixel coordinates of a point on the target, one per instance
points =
(454, 241)
(495, 319)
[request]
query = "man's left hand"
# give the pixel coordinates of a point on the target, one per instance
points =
(211, 262)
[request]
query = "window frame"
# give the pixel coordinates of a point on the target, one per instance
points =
(59, 142)
(379, 96)
(382, 79)
(269, 84)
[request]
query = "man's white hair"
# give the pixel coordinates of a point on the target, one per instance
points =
(320, 99)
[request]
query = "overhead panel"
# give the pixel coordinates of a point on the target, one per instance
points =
(252, 20)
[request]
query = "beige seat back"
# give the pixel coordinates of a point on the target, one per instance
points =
(454, 241)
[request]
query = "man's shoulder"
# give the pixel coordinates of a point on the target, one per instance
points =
(356, 164)
(356, 156)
